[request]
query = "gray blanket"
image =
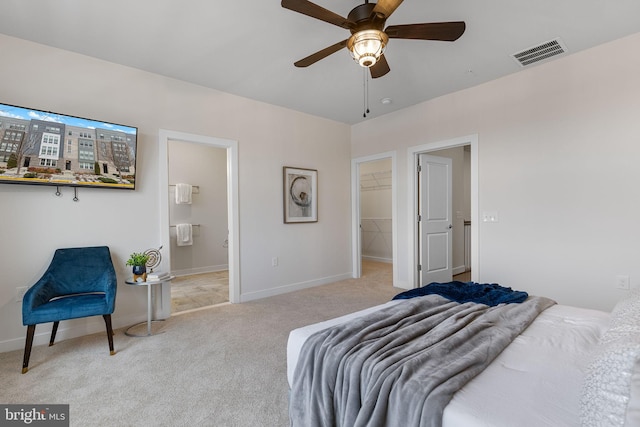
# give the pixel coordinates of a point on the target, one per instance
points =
(400, 366)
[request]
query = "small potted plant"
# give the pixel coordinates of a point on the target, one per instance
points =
(138, 261)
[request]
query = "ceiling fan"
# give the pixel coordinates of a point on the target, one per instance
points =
(368, 40)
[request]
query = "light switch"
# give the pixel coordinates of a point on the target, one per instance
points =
(490, 216)
(622, 281)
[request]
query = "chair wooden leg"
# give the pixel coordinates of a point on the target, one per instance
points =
(53, 333)
(107, 321)
(31, 329)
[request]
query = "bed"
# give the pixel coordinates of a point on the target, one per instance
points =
(563, 366)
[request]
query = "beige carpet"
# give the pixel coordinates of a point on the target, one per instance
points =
(199, 290)
(224, 366)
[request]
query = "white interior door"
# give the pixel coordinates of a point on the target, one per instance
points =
(435, 226)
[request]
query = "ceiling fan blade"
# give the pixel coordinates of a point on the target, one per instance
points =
(380, 68)
(384, 8)
(444, 31)
(313, 10)
(321, 54)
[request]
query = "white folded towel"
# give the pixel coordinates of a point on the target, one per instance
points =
(184, 234)
(183, 194)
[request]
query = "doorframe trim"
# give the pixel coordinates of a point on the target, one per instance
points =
(356, 243)
(231, 147)
(412, 157)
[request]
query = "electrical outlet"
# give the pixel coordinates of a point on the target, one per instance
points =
(20, 293)
(622, 281)
(274, 261)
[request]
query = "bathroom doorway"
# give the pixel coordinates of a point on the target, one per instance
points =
(198, 225)
(232, 209)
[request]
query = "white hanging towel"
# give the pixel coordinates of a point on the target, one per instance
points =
(184, 234)
(183, 194)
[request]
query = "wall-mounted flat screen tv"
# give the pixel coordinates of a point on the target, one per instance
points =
(46, 148)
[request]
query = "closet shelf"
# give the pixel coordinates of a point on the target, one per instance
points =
(375, 181)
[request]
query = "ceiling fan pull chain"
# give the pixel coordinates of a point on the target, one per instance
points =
(366, 79)
(365, 87)
(364, 93)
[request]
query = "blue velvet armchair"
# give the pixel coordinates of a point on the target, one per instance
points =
(79, 282)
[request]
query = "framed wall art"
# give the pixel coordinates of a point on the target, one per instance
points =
(300, 195)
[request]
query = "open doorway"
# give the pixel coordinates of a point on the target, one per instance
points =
(230, 148)
(198, 225)
(374, 213)
(444, 209)
(376, 234)
(464, 151)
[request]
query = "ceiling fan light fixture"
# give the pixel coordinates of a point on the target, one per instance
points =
(367, 46)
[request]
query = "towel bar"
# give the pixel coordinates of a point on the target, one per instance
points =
(196, 188)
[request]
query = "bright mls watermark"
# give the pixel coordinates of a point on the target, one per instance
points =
(34, 415)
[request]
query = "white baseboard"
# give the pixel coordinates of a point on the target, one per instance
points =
(459, 270)
(251, 296)
(200, 270)
(73, 329)
(404, 285)
(377, 259)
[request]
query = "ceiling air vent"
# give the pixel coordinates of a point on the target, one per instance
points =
(540, 52)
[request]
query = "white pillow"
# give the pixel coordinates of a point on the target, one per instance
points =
(625, 316)
(611, 391)
(632, 417)
(606, 394)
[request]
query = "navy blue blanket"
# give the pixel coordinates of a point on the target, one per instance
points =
(488, 294)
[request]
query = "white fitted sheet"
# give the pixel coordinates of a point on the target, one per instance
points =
(534, 382)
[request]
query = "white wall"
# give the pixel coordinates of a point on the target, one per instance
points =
(35, 222)
(205, 168)
(558, 159)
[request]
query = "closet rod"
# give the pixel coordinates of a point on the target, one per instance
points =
(194, 186)
(193, 225)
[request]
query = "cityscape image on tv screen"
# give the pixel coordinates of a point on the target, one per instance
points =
(39, 147)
